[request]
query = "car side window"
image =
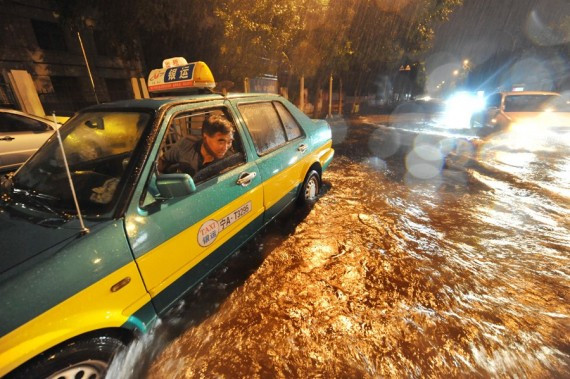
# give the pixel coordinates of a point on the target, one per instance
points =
(14, 123)
(270, 125)
(264, 126)
(186, 129)
(185, 133)
(291, 126)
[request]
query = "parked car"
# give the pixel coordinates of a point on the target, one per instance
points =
(84, 268)
(505, 109)
(21, 134)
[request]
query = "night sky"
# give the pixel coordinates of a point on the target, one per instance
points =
(482, 30)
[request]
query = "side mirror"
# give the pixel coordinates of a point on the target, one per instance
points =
(175, 185)
(39, 127)
(95, 123)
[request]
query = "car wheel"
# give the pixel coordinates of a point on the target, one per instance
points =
(311, 188)
(85, 358)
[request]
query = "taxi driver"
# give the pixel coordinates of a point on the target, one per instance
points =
(190, 157)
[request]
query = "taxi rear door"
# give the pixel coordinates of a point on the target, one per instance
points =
(177, 241)
(280, 145)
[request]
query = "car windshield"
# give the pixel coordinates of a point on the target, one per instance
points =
(530, 103)
(98, 147)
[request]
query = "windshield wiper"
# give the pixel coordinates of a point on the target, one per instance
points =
(36, 199)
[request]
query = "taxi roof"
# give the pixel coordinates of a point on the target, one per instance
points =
(157, 102)
(152, 103)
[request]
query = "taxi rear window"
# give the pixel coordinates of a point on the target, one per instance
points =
(291, 126)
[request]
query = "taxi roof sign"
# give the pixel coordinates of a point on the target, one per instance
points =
(174, 62)
(177, 75)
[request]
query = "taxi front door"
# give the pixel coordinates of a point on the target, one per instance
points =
(176, 242)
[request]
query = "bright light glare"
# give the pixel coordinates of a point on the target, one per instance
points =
(459, 108)
(466, 101)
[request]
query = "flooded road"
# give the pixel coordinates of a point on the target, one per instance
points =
(413, 263)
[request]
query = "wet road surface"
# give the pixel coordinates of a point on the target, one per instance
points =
(413, 263)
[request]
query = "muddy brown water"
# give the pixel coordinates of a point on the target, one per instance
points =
(410, 264)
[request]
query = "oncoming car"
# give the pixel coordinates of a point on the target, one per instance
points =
(86, 267)
(504, 109)
(21, 134)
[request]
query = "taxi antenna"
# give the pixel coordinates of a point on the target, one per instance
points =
(83, 228)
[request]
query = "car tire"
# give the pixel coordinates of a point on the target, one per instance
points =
(83, 358)
(311, 188)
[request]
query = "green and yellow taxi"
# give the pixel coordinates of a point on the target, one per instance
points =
(96, 243)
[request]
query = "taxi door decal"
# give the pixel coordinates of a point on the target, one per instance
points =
(210, 229)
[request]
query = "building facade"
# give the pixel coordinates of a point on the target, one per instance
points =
(67, 69)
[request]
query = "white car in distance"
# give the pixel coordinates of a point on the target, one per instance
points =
(21, 134)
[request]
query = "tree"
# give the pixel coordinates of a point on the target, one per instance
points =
(382, 35)
(359, 39)
(356, 39)
(259, 35)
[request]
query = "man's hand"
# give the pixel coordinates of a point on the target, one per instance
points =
(161, 165)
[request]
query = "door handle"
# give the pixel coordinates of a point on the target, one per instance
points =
(7, 138)
(302, 147)
(245, 178)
